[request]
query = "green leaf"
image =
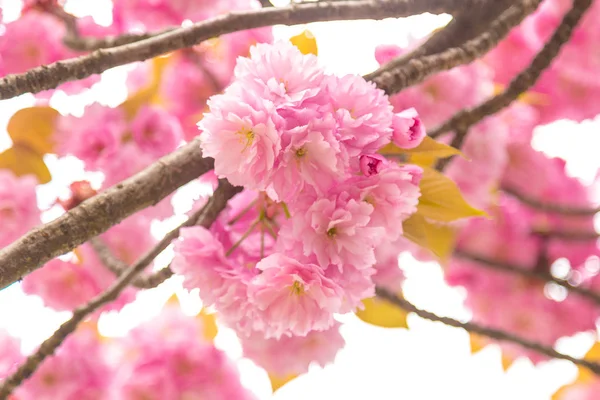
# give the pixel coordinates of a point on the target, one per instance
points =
(438, 238)
(305, 42)
(441, 199)
(380, 312)
(33, 128)
(24, 161)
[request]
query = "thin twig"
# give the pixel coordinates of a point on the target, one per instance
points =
(418, 69)
(567, 235)
(213, 207)
(98, 214)
(551, 207)
(495, 334)
(528, 272)
(50, 76)
(521, 83)
(209, 213)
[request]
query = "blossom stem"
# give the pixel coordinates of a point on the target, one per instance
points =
(244, 236)
(243, 212)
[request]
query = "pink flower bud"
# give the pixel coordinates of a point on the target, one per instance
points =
(371, 164)
(408, 129)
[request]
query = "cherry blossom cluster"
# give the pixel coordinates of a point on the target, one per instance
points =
(168, 357)
(307, 237)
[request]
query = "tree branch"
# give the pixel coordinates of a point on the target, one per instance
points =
(466, 25)
(485, 331)
(99, 213)
(521, 83)
(417, 70)
(551, 207)
(528, 272)
(207, 216)
(50, 76)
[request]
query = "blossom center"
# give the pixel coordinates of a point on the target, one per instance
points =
(247, 135)
(301, 152)
(297, 288)
(331, 232)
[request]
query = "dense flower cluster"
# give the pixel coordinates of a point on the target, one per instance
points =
(323, 215)
(298, 245)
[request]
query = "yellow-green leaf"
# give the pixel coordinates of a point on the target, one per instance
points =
(149, 93)
(382, 313)
(305, 42)
(428, 146)
(33, 127)
(209, 324)
(438, 238)
(441, 199)
(278, 381)
(22, 160)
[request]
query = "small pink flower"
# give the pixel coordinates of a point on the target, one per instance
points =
(280, 73)
(392, 193)
(409, 131)
(18, 206)
(363, 112)
(313, 158)
(356, 284)
(292, 355)
(293, 297)
(335, 229)
(168, 358)
(243, 138)
(155, 131)
(78, 370)
(10, 354)
(200, 258)
(94, 138)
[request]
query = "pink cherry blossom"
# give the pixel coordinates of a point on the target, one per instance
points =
(293, 297)
(485, 151)
(40, 42)
(10, 354)
(409, 131)
(387, 272)
(158, 365)
(335, 229)
(356, 285)
(200, 258)
(313, 158)
(155, 131)
(243, 139)
(392, 192)
(64, 285)
(18, 206)
(292, 355)
(78, 370)
(363, 112)
(94, 138)
(280, 73)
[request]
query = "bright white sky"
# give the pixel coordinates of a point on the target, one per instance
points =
(429, 361)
